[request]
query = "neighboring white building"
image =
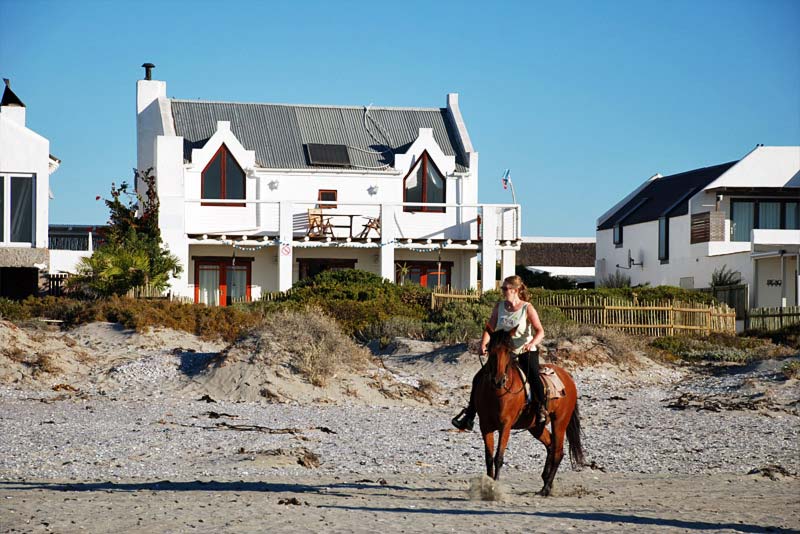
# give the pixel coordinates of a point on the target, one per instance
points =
(676, 230)
(240, 185)
(25, 168)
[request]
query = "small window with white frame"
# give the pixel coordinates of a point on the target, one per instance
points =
(17, 208)
(618, 235)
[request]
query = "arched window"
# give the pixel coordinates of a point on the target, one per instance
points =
(223, 178)
(424, 183)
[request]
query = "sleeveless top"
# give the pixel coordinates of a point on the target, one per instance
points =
(507, 320)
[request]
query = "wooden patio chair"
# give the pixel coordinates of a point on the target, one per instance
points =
(318, 224)
(373, 223)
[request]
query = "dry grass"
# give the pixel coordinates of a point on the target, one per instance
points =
(319, 349)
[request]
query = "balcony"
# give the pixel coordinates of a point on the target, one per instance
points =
(347, 221)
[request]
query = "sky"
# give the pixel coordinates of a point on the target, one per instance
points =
(581, 100)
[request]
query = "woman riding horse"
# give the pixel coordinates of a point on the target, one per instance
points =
(517, 315)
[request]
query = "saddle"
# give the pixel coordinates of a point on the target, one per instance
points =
(553, 386)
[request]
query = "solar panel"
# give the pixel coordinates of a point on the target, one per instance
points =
(321, 154)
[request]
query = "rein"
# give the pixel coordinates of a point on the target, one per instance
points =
(505, 375)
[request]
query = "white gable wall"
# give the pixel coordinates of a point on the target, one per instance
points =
(26, 153)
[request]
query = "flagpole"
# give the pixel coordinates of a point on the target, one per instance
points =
(507, 181)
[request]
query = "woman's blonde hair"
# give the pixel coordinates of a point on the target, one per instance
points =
(517, 283)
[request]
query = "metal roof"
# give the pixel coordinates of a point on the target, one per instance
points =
(278, 132)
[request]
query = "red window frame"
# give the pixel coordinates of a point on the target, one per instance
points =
(222, 152)
(320, 200)
(423, 160)
(223, 264)
(426, 269)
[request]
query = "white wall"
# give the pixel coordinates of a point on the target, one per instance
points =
(685, 260)
(25, 152)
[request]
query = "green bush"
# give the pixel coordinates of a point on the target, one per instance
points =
(788, 335)
(360, 301)
(719, 347)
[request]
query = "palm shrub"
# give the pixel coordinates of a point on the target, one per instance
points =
(725, 277)
(133, 253)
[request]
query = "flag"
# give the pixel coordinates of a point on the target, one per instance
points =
(506, 178)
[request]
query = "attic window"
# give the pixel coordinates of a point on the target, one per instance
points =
(424, 184)
(223, 178)
(332, 155)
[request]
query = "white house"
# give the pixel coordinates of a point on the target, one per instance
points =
(676, 230)
(25, 168)
(254, 197)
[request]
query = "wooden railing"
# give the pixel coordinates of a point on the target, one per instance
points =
(654, 318)
(773, 318)
(440, 296)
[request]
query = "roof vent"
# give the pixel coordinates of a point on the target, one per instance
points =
(148, 70)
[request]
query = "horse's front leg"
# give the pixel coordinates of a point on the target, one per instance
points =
(488, 451)
(502, 442)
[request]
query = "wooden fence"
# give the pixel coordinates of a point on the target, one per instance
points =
(653, 318)
(442, 295)
(773, 318)
(736, 296)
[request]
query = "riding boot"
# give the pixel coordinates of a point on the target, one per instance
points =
(465, 420)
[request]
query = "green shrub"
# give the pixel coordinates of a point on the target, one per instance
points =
(788, 335)
(718, 347)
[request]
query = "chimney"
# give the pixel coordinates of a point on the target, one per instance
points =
(148, 70)
(11, 106)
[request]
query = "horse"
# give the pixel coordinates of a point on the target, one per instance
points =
(501, 403)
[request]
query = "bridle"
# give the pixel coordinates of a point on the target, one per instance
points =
(502, 383)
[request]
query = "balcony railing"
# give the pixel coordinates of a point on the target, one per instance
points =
(349, 220)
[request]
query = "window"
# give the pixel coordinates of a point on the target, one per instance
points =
(430, 274)
(618, 235)
(310, 267)
(747, 215)
(222, 281)
(328, 196)
(223, 179)
(17, 209)
(663, 239)
(424, 184)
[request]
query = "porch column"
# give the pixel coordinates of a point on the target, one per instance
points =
(508, 260)
(488, 248)
(387, 247)
(285, 248)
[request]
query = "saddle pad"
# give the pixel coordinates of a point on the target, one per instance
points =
(553, 386)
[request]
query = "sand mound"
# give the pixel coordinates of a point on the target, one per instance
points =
(40, 356)
(314, 364)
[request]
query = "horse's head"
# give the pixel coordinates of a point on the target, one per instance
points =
(500, 353)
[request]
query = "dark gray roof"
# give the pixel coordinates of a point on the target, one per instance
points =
(557, 254)
(278, 133)
(665, 196)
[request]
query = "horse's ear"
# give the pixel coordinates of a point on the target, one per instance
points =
(489, 327)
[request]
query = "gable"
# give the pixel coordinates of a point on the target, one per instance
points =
(279, 133)
(665, 196)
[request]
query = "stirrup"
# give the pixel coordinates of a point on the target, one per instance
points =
(467, 423)
(541, 414)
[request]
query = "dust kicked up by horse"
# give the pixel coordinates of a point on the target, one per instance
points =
(501, 403)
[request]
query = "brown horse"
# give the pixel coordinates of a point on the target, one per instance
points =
(500, 400)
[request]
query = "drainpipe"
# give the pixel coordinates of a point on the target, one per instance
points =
(783, 280)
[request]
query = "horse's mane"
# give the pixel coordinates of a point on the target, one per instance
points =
(500, 338)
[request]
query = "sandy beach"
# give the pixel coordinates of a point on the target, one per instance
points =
(135, 432)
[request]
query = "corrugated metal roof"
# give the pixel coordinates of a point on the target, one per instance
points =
(277, 132)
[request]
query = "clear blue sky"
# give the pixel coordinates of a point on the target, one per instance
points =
(581, 100)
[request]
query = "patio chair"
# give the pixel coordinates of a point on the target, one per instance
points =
(373, 223)
(318, 224)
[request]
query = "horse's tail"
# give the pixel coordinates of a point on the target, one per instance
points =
(574, 437)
